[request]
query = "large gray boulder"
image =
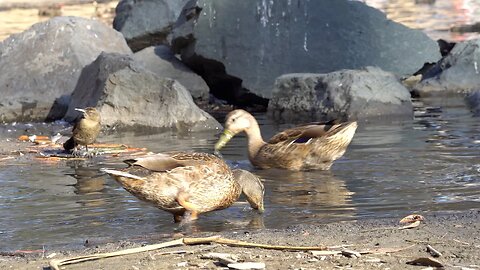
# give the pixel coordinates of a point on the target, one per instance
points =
(473, 101)
(345, 94)
(458, 72)
(146, 23)
(43, 64)
(161, 61)
(258, 40)
(129, 96)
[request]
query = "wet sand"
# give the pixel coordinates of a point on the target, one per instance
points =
(456, 236)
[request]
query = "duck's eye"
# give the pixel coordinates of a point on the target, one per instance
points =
(233, 119)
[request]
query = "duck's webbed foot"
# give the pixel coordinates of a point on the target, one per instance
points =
(188, 218)
(77, 152)
(92, 153)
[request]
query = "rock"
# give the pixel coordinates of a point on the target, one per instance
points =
(257, 40)
(146, 23)
(473, 101)
(344, 94)
(458, 72)
(129, 96)
(161, 61)
(42, 65)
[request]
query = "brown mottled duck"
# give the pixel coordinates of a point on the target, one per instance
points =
(193, 183)
(312, 146)
(85, 131)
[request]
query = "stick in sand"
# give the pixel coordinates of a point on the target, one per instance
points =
(56, 263)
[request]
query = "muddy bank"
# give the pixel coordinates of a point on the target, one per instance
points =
(456, 236)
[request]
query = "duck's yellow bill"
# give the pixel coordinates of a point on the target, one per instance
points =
(224, 138)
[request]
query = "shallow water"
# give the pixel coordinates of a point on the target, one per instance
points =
(392, 169)
(434, 17)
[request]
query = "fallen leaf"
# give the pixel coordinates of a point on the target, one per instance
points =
(23, 138)
(412, 218)
(410, 226)
(426, 262)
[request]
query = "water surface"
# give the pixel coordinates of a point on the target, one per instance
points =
(424, 165)
(434, 17)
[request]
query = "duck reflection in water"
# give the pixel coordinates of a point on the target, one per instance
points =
(89, 179)
(315, 192)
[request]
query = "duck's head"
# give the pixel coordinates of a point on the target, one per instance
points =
(90, 113)
(252, 187)
(235, 122)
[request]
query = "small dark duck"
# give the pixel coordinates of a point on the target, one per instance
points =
(85, 131)
(312, 146)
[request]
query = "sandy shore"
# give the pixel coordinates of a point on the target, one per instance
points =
(456, 236)
(8, 4)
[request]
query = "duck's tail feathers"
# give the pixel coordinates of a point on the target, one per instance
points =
(69, 144)
(120, 173)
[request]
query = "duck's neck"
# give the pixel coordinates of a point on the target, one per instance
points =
(255, 140)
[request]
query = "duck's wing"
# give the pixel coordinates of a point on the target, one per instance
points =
(169, 161)
(304, 133)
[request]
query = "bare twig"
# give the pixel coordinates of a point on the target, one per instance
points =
(461, 242)
(385, 250)
(424, 242)
(433, 252)
(56, 263)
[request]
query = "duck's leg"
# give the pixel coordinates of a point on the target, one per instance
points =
(76, 152)
(192, 209)
(177, 217)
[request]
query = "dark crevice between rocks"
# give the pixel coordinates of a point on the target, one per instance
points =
(430, 70)
(224, 86)
(151, 39)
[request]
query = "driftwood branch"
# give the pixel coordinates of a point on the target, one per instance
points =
(56, 263)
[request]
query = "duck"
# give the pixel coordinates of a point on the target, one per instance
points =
(84, 132)
(187, 184)
(312, 146)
